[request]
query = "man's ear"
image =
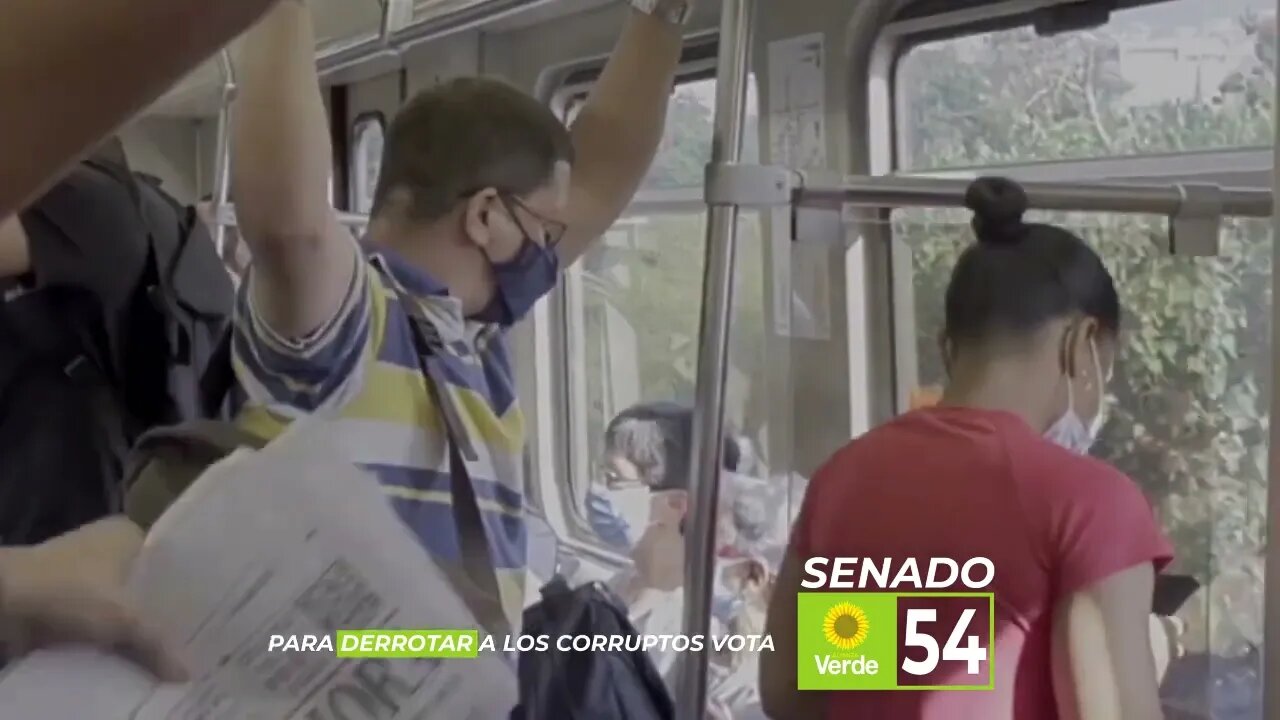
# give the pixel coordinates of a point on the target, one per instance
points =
(478, 215)
(680, 501)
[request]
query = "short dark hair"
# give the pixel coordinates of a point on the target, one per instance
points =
(657, 438)
(463, 136)
(1019, 276)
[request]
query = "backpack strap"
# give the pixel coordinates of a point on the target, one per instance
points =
(479, 588)
(110, 413)
(167, 460)
(219, 377)
(181, 285)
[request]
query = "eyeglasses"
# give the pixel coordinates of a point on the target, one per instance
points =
(552, 231)
(615, 480)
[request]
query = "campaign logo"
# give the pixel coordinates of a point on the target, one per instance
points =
(881, 639)
(845, 626)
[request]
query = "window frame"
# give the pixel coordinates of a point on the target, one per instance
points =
(1238, 167)
(565, 482)
(912, 30)
(356, 157)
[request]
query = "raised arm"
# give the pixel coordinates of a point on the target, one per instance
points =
(1103, 668)
(303, 259)
(1106, 550)
(71, 71)
(616, 134)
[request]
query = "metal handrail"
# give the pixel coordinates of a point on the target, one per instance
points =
(398, 31)
(737, 19)
(892, 191)
(222, 168)
(348, 52)
(396, 16)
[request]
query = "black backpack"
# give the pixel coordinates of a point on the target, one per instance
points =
(87, 367)
(572, 685)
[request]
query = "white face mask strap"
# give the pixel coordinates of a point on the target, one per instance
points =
(1102, 390)
(1071, 399)
(1097, 367)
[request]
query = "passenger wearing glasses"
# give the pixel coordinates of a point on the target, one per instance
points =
(400, 338)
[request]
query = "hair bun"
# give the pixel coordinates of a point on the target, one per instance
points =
(998, 205)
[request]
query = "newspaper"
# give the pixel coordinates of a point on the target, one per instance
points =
(292, 539)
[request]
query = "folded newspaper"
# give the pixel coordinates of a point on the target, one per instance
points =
(289, 540)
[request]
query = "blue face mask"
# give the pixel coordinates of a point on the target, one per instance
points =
(521, 281)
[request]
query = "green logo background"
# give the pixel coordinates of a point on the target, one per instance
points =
(881, 644)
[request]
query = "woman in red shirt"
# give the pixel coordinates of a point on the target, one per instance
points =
(1000, 469)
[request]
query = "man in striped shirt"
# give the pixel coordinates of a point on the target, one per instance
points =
(475, 211)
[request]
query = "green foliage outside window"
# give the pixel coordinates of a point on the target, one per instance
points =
(1190, 411)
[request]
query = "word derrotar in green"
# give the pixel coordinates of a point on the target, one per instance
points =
(850, 641)
(408, 643)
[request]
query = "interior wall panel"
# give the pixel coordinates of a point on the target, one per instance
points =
(447, 58)
(166, 148)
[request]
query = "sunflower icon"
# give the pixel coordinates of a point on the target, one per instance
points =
(845, 626)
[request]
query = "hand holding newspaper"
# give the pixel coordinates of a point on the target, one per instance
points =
(289, 540)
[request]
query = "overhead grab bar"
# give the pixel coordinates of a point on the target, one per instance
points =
(396, 14)
(345, 54)
(459, 19)
(399, 31)
(736, 20)
(891, 191)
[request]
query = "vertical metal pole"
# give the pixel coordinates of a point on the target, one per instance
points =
(222, 166)
(1271, 608)
(736, 20)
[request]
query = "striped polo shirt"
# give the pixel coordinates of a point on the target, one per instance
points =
(361, 370)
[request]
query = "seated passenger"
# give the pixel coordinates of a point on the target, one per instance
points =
(1000, 469)
(647, 450)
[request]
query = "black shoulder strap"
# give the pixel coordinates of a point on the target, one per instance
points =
(111, 414)
(218, 378)
(474, 541)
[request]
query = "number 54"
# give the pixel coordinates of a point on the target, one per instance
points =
(971, 654)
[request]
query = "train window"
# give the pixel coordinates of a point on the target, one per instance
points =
(1159, 78)
(642, 284)
(1188, 418)
(633, 312)
(366, 160)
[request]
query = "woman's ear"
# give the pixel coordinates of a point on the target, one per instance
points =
(945, 349)
(1084, 344)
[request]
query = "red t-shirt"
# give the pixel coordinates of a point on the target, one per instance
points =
(960, 483)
